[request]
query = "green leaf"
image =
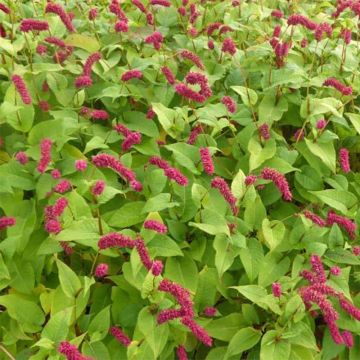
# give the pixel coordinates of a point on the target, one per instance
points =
(69, 282)
(128, 215)
(238, 186)
(355, 120)
(248, 96)
(57, 328)
(243, 340)
(226, 327)
(271, 110)
(273, 348)
(338, 199)
(99, 325)
(325, 151)
(272, 268)
(258, 153)
(212, 223)
(158, 203)
(225, 254)
(251, 258)
(85, 42)
(273, 232)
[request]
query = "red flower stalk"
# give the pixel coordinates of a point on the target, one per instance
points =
(188, 93)
(264, 131)
(157, 267)
(228, 46)
(139, 5)
(116, 10)
(143, 253)
(59, 207)
(356, 250)
(181, 295)
(342, 5)
(220, 184)
(27, 25)
(62, 187)
(195, 132)
(299, 134)
(344, 160)
(229, 103)
(132, 139)
(115, 240)
(160, 163)
(200, 79)
(207, 161)
(164, 3)
(277, 31)
(318, 268)
(297, 19)
(170, 172)
(101, 270)
(150, 19)
(121, 26)
(276, 289)
(316, 219)
(320, 124)
(170, 77)
(67, 249)
(89, 63)
(21, 89)
(99, 115)
(22, 158)
(120, 336)
(156, 39)
(182, 11)
(181, 353)
(6, 221)
(150, 113)
(197, 330)
(186, 54)
(335, 270)
(98, 188)
(346, 35)
(277, 14)
(93, 14)
(109, 161)
(122, 129)
(41, 49)
(304, 43)
(55, 41)
(56, 174)
(131, 74)
(80, 165)
(224, 29)
(52, 226)
(71, 352)
(279, 181)
(213, 27)
(321, 29)
(64, 16)
(156, 226)
(194, 14)
(348, 339)
(45, 149)
(348, 225)
(83, 81)
(209, 311)
(332, 82)
(168, 314)
(44, 105)
(250, 179)
(4, 8)
(211, 45)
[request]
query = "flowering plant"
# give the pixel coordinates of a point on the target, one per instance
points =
(179, 179)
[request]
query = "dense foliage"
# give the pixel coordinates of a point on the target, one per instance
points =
(179, 179)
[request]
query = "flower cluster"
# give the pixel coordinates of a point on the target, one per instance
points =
(6, 221)
(169, 171)
(230, 104)
(27, 25)
(131, 137)
(21, 89)
(109, 161)
(317, 293)
(186, 54)
(71, 352)
(45, 149)
(344, 160)
(156, 39)
(279, 181)
(156, 226)
(206, 160)
(220, 184)
(64, 16)
(120, 336)
(332, 82)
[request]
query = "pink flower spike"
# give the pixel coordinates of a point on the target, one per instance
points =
(210, 311)
(207, 161)
(230, 104)
(115, 240)
(52, 226)
(98, 188)
(220, 184)
(89, 63)
(348, 339)
(279, 181)
(120, 336)
(335, 270)
(320, 124)
(348, 225)
(71, 352)
(356, 250)
(186, 54)
(21, 89)
(101, 270)
(264, 131)
(131, 74)
(181, 353)
(27, 25)
(164, 3)
(45, 149)
(44, 105)
(195, 132)
(22, 158)
(332, 82)
(93, 14)
(64, 16)
(83, 81)
(4, 8)
(156, 226)
(62, 187)
(276, 289)
(344, 160)
(121, 26)
(80, 165)
(314, 218)
(157, 268)
(6, 221)
(56, 174)
(250, 179)
(197, 330)
(156, 39)
(228, 46)
(170, 77)
(143, 253)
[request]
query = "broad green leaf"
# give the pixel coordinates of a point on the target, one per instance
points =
(243, 340)
(88, 43)
(258, 153)
(355, 120)
(325, 151)
(69, 281)
(248, 96)
(127, 215)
